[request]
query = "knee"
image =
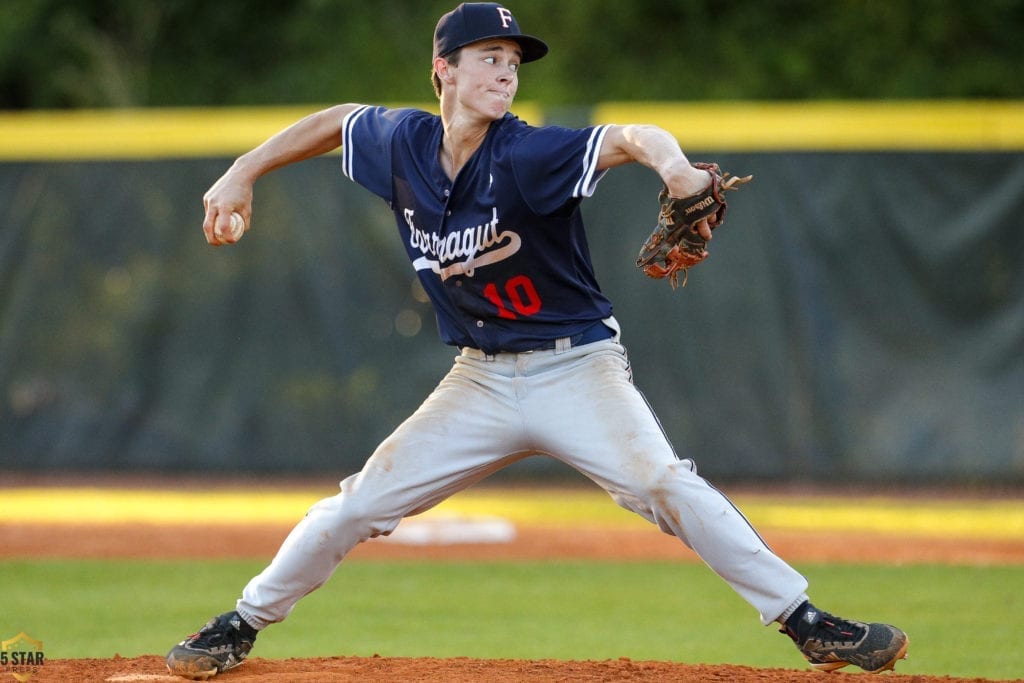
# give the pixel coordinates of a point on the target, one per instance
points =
(658, 496)
(665, 481)
(354, 512)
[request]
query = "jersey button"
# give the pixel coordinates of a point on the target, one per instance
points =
(479, 323)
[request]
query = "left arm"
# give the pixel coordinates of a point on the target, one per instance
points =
(656, 149)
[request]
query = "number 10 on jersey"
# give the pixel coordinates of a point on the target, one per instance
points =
(518, 294)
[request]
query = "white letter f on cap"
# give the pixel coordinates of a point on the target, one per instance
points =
(506, 17)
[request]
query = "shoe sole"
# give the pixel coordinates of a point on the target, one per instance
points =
(191, 674)
(191, 669)
(888, 666)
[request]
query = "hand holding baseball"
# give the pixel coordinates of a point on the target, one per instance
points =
(230, 233)
(227, 205)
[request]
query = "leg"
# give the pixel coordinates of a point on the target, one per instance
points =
(610, 434)
(449, 443)
(445, 446)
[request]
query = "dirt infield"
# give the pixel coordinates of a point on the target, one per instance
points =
(457, 670)
(161, 541)
(530, 543)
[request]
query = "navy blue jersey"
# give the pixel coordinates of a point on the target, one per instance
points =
(501, 250)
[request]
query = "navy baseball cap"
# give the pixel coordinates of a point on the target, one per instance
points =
(473, 21)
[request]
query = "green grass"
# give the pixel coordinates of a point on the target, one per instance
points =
(963, 621)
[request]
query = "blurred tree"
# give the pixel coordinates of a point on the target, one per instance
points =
(111, 53)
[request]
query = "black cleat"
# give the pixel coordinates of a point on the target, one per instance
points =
(222, 644)
(830, 643)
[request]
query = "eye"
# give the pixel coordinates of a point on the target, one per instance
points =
(513, 66)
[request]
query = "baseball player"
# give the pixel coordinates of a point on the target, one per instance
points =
(488, 209)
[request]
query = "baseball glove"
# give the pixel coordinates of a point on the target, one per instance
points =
(675, 245)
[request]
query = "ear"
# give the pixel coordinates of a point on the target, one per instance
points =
(443, 69)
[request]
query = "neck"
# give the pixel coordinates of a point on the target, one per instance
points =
(461, 139)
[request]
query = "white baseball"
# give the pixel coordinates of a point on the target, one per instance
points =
(237, 228)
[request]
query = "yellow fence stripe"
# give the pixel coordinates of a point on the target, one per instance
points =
(808, 126)
(173, 133)
(139, 133)
(570, 508)
(153, 133)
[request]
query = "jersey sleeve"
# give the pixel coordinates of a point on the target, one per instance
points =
(366, 135)
(556, 167)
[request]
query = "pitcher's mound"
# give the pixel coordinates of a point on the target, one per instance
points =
(459, 669)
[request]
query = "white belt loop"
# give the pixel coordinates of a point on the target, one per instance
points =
(562, 344)
(477, 354)
(612, 324)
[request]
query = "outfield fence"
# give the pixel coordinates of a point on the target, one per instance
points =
(861, 316)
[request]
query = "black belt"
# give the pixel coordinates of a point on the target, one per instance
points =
(594, 333)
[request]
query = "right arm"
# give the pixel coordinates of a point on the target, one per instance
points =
(314, 135)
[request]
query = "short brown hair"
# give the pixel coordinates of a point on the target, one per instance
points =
(453, 59)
